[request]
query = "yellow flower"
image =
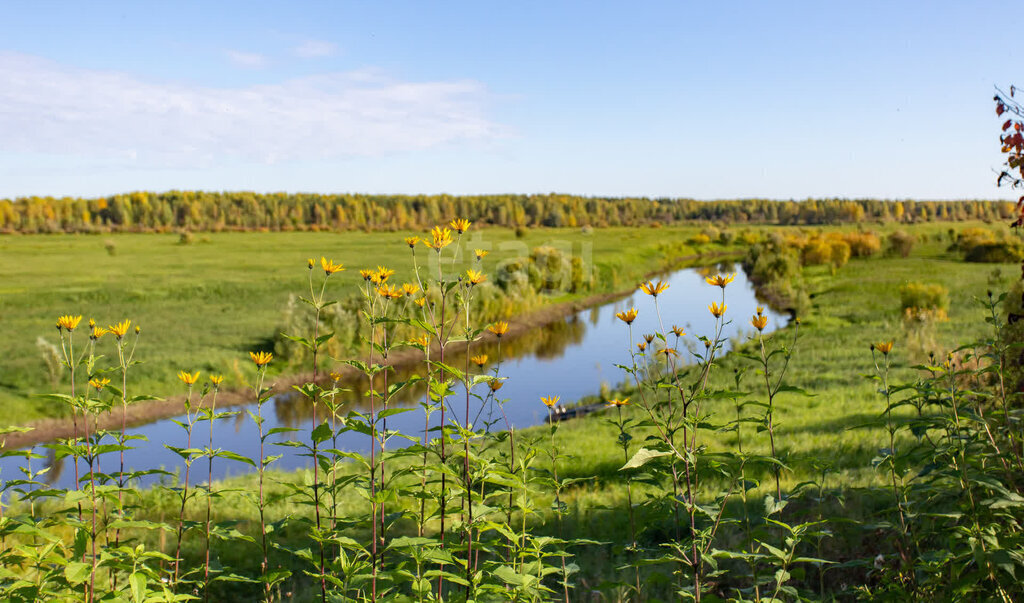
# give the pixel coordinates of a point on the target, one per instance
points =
(216, 380)
(411, 242)
(618, 402)
(648, 337)
(652, 289)
(716, 310)
(480, 253)
(461, 225)
(550, 402)
(310, 263)
(261, 358)
(120, 328)
(496, 384)
(138, 329)
(92, 323)
(884, 347)
(382, 275)
(99, 383)
(720, 280)
(760, 321)
(679, 332)
(420, 301)
(642, 345)
(479, 360)
(335, 376)
(760, 310)
(442, 237)
(329, 266)
(628, 316)
(499, 328)
(366, 274)
(97, 332)
(69, 322)
(389, 292)
(410, 288)
(188, 379)
(668, 352)
(476, 277)
(421, 340)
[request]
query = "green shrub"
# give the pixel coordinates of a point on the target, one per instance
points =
(900, 243)
(919, 301)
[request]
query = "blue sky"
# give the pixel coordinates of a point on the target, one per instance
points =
(780, 100)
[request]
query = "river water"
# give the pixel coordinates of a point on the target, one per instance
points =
(569, 358)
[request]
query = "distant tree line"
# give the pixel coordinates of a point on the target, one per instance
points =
(212, 211)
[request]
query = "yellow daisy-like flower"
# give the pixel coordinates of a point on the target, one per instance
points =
(389, 292)
(310, 263)
(479, 360)
(411, 242)
(716, 310)
(476, 277)
(666, 352)
(884, 347)
(410, 288)
(335, 376)
(420, 301)
(329, 266)
(760, 309)
(216, 380)
(654, 289)
(642, 346)
(678, 331)
(188, 379)
(760, 321)
(480, 253)
(720, 280)
(383, 274)
(619, 403)
(496, 384)
(628, 316)
(460, 225)
(68, 322)
(367, 274)
(99, 383)
(499, 328)
(648, 337)
(441, 238)
(120, 328)
(550, 402)
(261, 358)
(92, 323)
(421, 340)
(97, 332)
(138, 329)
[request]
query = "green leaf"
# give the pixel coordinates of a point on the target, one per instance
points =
(642, 457)
(77, 572)
(138, 583)
(322, 432)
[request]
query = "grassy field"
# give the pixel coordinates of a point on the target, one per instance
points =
(826, 434)
(204, 305)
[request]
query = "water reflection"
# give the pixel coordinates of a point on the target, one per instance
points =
(570, 358)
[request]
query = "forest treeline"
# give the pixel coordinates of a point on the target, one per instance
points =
(212, 211)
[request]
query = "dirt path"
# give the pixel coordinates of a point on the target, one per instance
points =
(46, 430)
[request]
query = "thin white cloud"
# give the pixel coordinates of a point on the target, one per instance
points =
(249, 60)
(311, 49)
(51, 108)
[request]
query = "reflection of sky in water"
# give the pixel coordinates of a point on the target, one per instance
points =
(569, 359)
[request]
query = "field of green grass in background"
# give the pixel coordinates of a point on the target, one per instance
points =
(205, 304)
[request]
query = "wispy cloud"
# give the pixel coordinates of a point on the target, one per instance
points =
(249, 60)
(311, 49)
(52, 108)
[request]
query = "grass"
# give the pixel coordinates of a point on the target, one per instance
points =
(203, 305)
(851, 309)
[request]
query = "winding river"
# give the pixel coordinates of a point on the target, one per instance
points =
(569, 358)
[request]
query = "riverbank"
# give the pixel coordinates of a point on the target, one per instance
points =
(46, 430)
